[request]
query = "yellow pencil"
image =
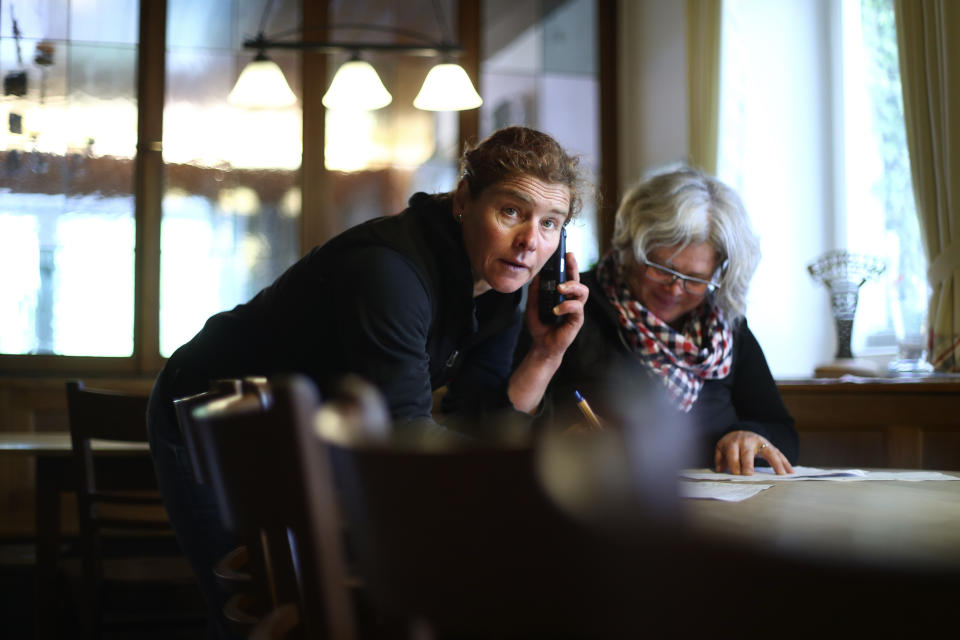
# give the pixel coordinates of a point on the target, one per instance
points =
(587, 412)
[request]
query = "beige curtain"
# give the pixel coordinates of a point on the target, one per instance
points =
(703, 81)
(927, 31)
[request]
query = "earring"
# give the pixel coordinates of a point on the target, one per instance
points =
(460, 217)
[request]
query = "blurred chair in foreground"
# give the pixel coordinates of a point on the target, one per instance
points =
(125, 535)
(459, 539)
(184, 408)
(230, 571)
(253, 466)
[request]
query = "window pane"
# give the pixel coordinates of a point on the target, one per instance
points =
(19, 253)
(775, 150)
(812, 136)
(231, 204)
(881, 215)
(378, 159)
(93, 269)
(36, 19)
(69, 119)
(105, 21)
(538, 55)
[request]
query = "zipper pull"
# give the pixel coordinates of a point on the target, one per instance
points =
(452, 359)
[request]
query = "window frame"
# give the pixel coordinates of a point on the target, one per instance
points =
(147, 191)
(783, 298)
(316, 228)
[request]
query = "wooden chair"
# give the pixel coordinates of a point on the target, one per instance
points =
(183, 408)
(254, 468)
(459, 540)
(230, 571)
(125, 534)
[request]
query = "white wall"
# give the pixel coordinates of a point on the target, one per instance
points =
(784, 146)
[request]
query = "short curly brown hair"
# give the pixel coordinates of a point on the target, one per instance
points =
(514, 151)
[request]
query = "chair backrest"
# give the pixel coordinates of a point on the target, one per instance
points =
(117, 416)
(184, 409)
(461, 539)
(106, 414)
(251, 447)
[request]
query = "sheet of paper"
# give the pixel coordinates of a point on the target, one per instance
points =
(908, 476)
(766, 474)
(726, 491)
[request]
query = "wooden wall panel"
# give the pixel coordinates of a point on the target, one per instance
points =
(941, 450)
(842, 448)
(900, 424)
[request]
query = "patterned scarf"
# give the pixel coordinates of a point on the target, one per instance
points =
(681, 360)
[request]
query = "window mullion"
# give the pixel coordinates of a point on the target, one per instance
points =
(148, 176)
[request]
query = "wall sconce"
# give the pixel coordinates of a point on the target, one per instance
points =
(356, 84)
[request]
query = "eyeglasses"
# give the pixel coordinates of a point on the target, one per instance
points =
(662, 275)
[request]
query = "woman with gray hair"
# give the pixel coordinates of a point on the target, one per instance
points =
(667, 305)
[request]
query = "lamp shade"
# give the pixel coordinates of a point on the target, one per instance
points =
(447, 88)
(261, 85)
(356, 85)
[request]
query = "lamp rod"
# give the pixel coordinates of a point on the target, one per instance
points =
(337, 47)
(351, 26)
(425, 46)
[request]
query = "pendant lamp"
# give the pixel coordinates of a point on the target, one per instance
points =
(262, 85)
(447, 88)
(356, 84)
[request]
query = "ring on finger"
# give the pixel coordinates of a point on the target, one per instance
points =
(762, 446)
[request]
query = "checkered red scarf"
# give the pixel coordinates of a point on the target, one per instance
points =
(681, 360)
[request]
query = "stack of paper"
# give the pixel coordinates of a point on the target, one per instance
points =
(725, 491)
(730, 488)
(766, 474)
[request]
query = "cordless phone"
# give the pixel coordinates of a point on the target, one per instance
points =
(552, 274)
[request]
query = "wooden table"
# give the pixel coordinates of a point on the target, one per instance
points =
(54, 475)
(883, 523)
(833, 559)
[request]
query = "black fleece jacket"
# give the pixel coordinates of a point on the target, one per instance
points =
(599, 362)
(391, 300)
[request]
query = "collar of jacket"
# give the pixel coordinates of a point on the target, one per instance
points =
(450, 266)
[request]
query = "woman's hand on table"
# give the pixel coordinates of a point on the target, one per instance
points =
(736, 451)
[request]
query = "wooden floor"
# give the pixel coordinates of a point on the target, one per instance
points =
(17, 598)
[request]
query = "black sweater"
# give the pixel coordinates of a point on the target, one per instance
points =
(598, 361)
(391, 300)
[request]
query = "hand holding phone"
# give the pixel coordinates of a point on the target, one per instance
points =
(552, 274)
